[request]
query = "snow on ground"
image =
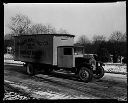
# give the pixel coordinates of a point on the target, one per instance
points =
(9, 94)
(16, 85)
(54, 95)
(8, 56)
(13, 96)
(116, 75)
(8, 81)
(12, 61)
(43, 94)
(115, 67)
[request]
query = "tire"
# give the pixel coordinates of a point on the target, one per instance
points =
(85, 74)
(30, 69)
(99, 73)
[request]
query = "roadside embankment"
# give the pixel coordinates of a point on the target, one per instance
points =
(117, 68)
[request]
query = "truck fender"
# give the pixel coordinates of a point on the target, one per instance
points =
(87, 65)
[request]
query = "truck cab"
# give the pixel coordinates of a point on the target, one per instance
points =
(71, 61)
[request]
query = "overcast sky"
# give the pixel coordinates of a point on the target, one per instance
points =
(78, 18)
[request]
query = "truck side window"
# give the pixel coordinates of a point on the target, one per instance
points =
(67, 51)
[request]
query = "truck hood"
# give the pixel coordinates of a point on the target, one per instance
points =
(78, 55)
(81, 60)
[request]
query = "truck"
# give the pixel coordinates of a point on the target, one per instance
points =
(50, 52)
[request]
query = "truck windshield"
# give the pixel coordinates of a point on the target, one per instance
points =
(67, 51)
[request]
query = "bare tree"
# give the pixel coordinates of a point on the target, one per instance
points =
(37, 29)
(62, 31)
(116, 36)
(83, 40)
(50, 29)
(118, 42)
(124, 37)
(41, 29)
(19, 24)
(98, 38)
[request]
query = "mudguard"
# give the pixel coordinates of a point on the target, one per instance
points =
(87, 65)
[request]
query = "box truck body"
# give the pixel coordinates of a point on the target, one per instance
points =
(45, 49)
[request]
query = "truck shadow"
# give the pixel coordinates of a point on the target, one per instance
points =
(17, 71)
(63, 76)
(21, 72)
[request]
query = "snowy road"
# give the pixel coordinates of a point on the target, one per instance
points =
(66, 86)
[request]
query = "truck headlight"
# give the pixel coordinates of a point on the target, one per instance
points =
(94, 67)
(99, 64)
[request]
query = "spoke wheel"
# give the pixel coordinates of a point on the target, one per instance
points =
(85, 74)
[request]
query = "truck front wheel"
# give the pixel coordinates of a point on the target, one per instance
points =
(30, 69)
(85, 74)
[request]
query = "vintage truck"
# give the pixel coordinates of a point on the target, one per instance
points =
(50, 52)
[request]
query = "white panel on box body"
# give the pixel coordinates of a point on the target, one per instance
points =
(62, 41)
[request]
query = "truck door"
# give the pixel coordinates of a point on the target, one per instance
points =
(65, 57)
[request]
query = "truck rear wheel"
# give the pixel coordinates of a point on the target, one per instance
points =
(30, 69)
(99, 73)
(85, 74)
